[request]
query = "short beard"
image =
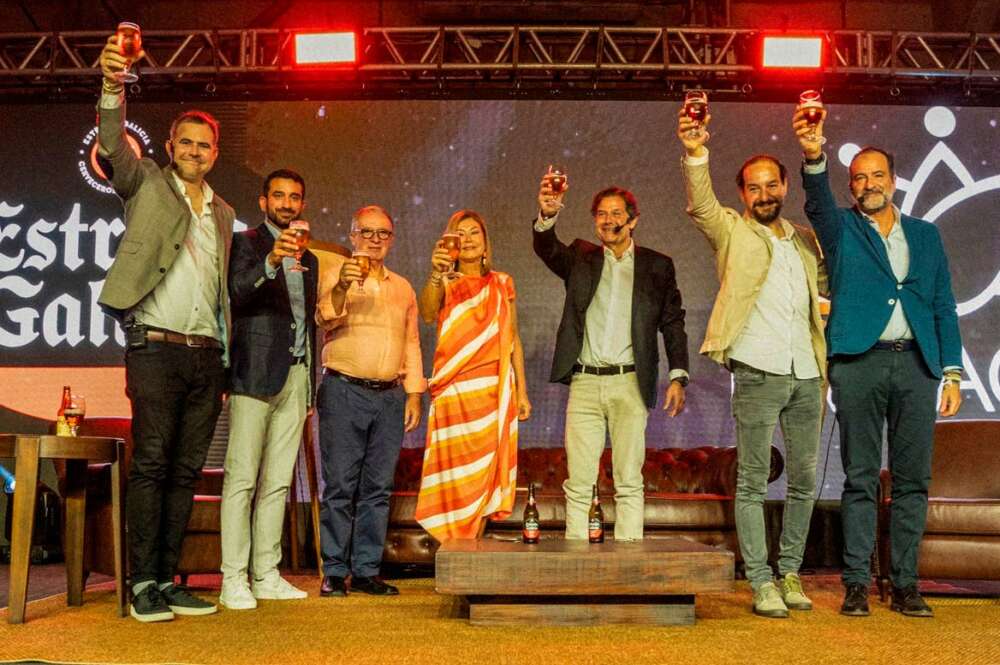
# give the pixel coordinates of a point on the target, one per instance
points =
(274, 219)
(766, 218)
(869, 210)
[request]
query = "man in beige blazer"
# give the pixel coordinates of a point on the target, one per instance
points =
(168, 287)
(766, 329)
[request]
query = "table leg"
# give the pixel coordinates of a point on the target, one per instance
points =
(118, 526)
(23, 524)
(76, 517)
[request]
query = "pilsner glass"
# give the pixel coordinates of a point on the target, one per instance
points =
(696, 108)
(364, 261)
(129, 45)
(75, 413)
(452, 243)
(301, 229)
(811, 103)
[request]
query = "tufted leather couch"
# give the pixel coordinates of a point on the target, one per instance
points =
(689, 493)
(962, 536)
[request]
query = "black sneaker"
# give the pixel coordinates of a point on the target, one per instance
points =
(908, 602)
(183, 603)
(149, 605)
(855, 601)
(374, 586)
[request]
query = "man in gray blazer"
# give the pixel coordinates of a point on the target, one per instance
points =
(168, 287)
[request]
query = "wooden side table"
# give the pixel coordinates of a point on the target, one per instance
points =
(76, 452)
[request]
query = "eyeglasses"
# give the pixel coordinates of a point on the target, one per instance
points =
(616, 215)
(368, 234)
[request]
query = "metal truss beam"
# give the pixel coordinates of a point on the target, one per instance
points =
(512, 61)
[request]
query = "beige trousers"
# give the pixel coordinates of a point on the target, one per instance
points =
(599, 405)
(264, 437)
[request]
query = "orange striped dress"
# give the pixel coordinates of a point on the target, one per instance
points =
(470, 462)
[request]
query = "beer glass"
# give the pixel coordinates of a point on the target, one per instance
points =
(364, 261)
(696, 108)
(75, 413)
(129, 45)
(811, 103)
(301, 229)
(452, 243)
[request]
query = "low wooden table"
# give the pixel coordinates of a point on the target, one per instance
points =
(573, 582)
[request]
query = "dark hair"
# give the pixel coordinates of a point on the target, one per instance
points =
(284, 174)
(885, 153)
(198, 118)
(631, 205)
(782, 171)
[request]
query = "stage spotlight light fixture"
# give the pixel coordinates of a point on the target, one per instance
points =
(325, 48)
(786, 52)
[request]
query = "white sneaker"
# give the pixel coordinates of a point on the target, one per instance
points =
(275, 587)
(237, 596)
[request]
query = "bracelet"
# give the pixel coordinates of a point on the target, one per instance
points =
(435, 278)
(111, 90)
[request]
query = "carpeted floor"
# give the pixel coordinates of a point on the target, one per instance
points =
(420, 626)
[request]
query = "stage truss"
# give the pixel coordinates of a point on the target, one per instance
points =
(549, 62)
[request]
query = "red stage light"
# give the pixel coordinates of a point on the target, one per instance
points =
(325, 48)
(793, 52)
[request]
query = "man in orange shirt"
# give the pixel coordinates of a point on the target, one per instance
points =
(372, 381)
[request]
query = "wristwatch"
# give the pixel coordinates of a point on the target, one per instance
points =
(952, 378)
(683, 380)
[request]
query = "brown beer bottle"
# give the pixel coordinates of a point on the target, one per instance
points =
(595, 520)
(62, 427)
(530, 528)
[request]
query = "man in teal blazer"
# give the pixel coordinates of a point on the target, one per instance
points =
(891, 337)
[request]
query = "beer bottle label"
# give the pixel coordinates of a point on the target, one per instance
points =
(531, 528)
(595, 529)
(62, 427)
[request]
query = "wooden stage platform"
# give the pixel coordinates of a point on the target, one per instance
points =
(577, 583)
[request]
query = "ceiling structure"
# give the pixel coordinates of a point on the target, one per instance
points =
(546, 49)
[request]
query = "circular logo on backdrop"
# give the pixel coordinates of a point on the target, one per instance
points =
(91, 171)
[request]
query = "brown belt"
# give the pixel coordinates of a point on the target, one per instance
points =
(194, 341)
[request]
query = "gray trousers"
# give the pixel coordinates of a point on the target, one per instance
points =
(760, 402)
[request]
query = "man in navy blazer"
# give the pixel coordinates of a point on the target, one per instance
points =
(891, 337)
(618, 297)
(274, 333)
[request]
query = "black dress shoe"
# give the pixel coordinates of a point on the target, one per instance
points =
(333, 586)
(909, 602)
(373, 585)
(855, 601)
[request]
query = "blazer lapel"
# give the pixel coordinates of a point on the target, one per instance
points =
(596, 260)
(912, 238)
(875, 243)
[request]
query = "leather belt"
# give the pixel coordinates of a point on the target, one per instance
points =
(608, 370)
(193, 341)
(370, 384)
(895, 345)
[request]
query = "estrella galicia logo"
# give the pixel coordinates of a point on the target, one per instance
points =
(91, 171)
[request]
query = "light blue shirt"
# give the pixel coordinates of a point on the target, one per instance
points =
(296, 294)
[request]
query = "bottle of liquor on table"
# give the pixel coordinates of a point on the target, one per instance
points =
(62, 426)
(595, 520)
(530, 531)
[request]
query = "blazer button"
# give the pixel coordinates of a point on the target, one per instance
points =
(892, 301)
(293, 325)
(291, 349)
(899, 287)
(163, 270)
(177, 246)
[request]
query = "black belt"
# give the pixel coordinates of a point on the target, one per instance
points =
(193, 341)
(298, 360)
(370, 384)
(608, 370)
(895, 345)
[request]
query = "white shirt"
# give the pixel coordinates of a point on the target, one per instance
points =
(776, 337)
(899, 258)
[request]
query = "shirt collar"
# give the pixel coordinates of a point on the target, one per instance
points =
(895, 216)
(627, 254)
(275, 231)
(206, 190)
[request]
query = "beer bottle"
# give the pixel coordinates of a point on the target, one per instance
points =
(62, 427)
(595, 520)
(530, 528)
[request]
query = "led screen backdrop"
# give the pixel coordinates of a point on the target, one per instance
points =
(422, 161)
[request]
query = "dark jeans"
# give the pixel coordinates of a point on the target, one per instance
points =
(871, 391)
(360, 434)
(176, 395)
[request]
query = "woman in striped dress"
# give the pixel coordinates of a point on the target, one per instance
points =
(478, 392)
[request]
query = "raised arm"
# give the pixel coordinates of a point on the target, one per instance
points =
(821, 208)
(557, 256)
(120, 164)
(432, 295)
(704, 209)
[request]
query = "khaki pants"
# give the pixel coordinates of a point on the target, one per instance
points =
(264, 437)
(598, 405)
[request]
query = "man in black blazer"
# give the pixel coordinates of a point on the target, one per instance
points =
(274, 332)
(618, 295)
